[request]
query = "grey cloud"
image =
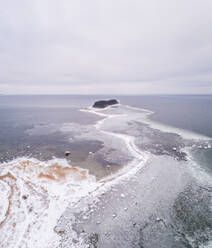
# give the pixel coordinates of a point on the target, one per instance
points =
(105, 46)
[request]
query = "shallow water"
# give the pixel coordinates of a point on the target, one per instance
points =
(184, 114)
(163, 202)
(124, 151)
(189, 112)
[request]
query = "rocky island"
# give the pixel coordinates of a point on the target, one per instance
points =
(105, 103)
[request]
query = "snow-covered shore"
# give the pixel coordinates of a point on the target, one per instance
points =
(52, 204)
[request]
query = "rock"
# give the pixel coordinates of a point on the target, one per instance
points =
(105, 103)
(30, 209)
(24, 197)
(67, 153)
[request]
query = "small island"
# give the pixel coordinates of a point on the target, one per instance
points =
(105, 103)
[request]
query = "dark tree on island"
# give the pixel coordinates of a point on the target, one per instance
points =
(105, 103)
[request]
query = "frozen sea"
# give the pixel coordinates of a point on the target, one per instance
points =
(138, 173)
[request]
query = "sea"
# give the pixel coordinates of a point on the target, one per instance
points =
(62, 164)
(191, 113)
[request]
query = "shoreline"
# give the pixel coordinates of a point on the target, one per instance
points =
(109, 181)
(184, 133)
(90, 231)
(140, 158)
(141, 173)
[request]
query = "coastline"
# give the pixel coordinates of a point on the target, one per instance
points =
(85, 191)
(140, 158)
(166, 128)
(154, 181)
(112, 204)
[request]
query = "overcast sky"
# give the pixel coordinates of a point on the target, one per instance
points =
(105, 46)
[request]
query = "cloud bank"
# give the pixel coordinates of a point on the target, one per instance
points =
(105, 46)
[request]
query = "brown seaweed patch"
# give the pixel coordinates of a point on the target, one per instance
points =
(8, 175)
(58, 172)
(28, 166)
(83, 174)
(29, 172)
